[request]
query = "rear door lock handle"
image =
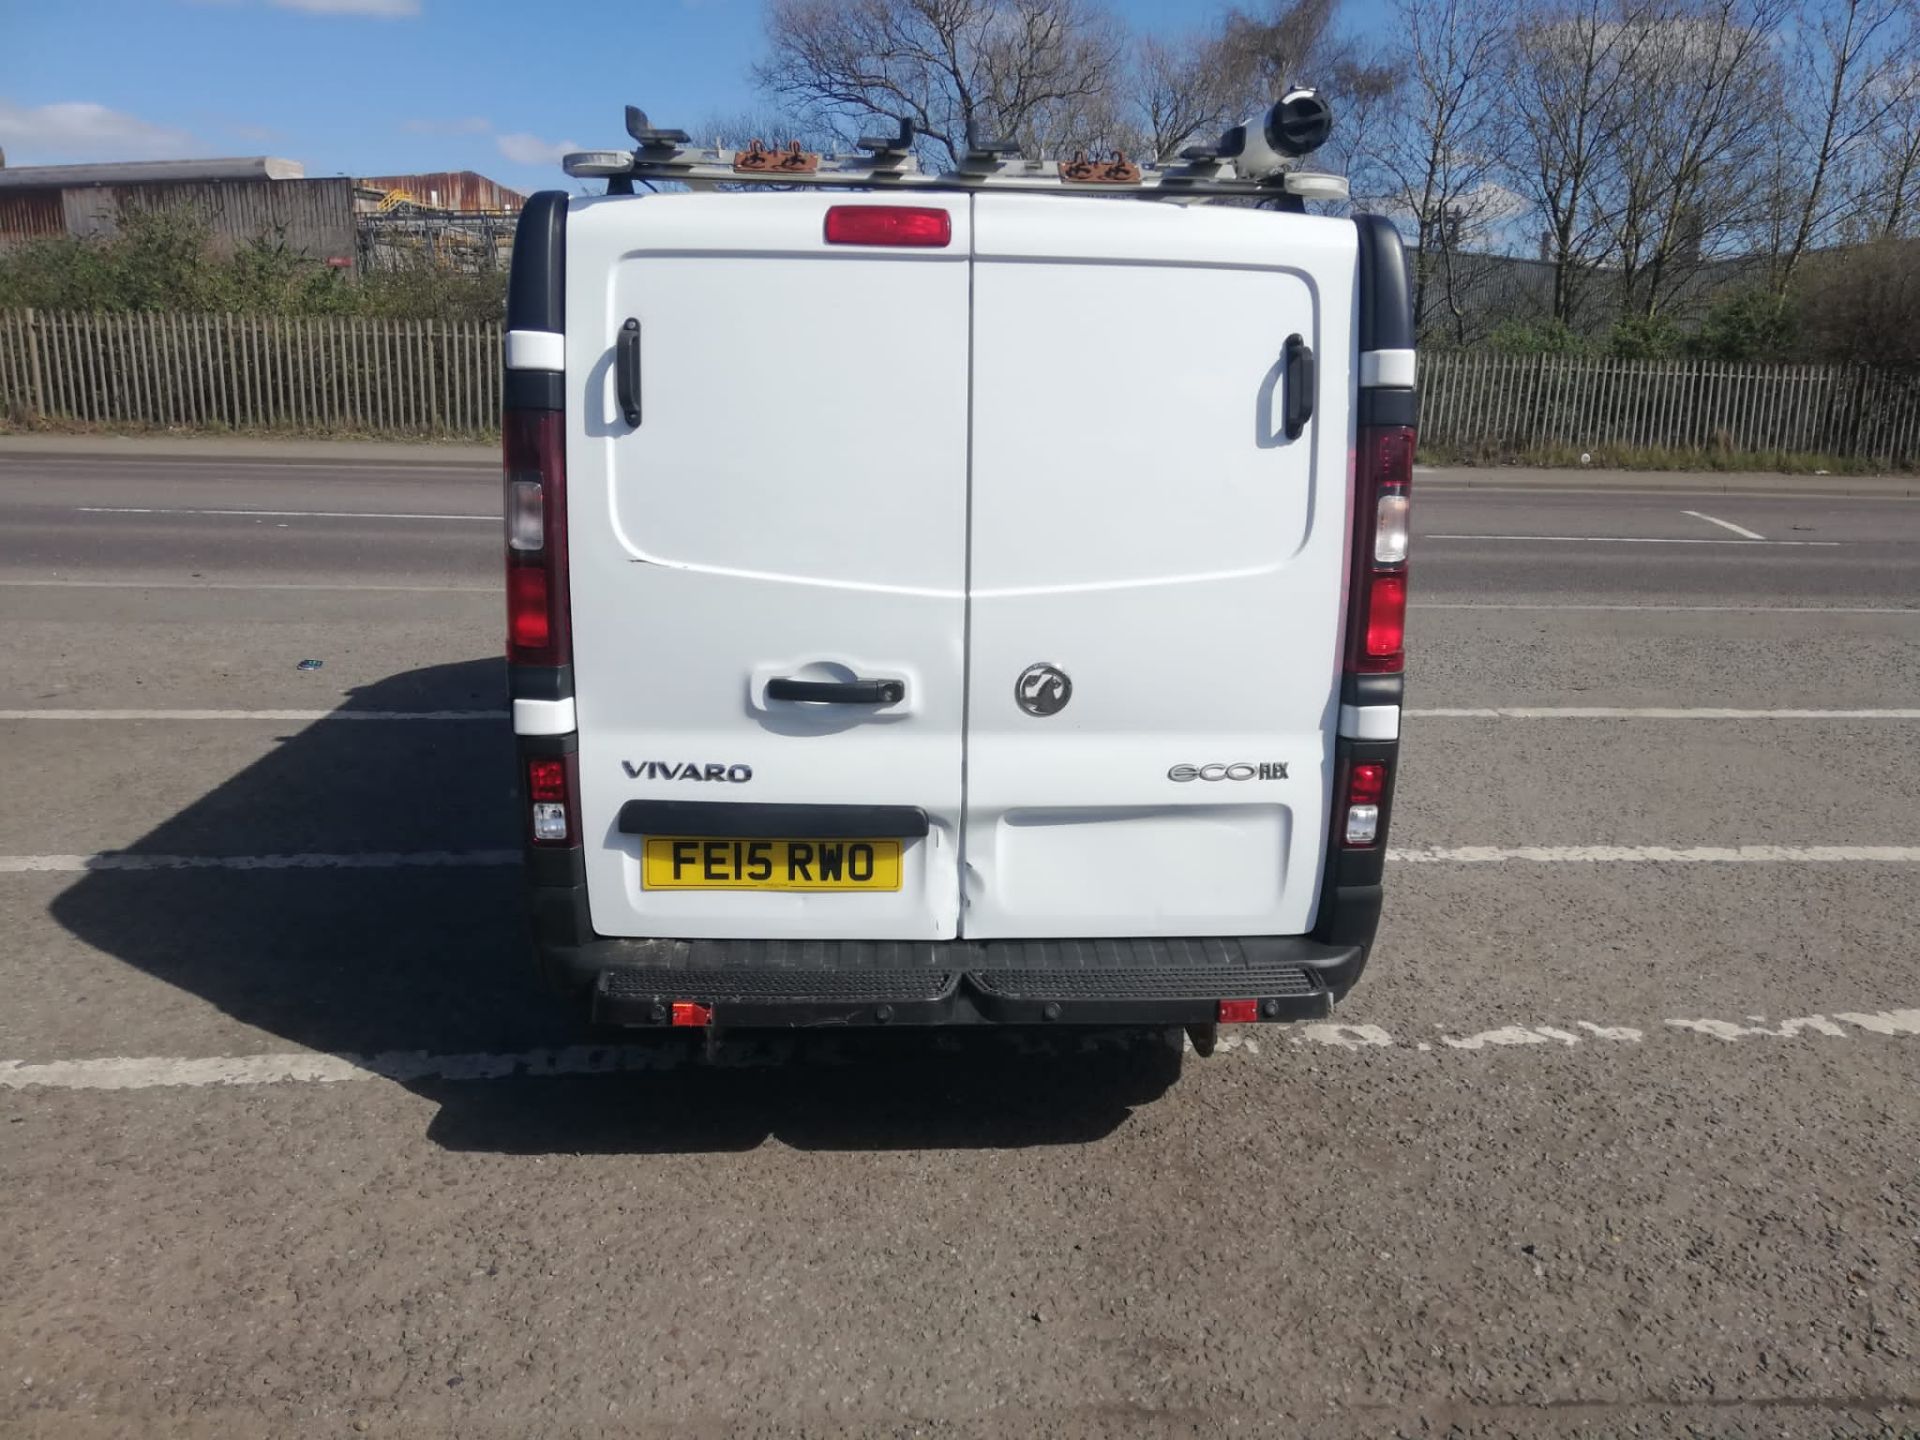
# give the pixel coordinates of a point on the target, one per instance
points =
(838, 692)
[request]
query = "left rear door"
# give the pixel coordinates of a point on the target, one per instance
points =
(792, 504)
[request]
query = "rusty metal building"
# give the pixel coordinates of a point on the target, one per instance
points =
(335, 220)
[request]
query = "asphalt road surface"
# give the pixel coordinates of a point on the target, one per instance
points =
(1620, 1133)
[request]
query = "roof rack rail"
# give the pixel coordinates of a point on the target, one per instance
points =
(1250, 160)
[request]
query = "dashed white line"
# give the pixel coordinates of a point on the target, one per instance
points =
(245, 585)
(1739, 530)
(1676, 609)
(274, 514)
(158, 1072)
(291, 716)
(1657, 854)
(1637, 540)
(364, 860)
(1645, 712)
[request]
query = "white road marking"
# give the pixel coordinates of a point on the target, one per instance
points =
(297, 716)
(1739, 530)
(244, 585)
(1647, 712)
(1657, 854)
(1636, 540)
(160, 1072)
(364, 860)
(1417, 855)
(274, 514)
(1677, 609)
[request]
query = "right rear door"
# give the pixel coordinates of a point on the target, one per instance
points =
(1143, 526)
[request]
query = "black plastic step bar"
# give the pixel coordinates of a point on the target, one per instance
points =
(1086, 982)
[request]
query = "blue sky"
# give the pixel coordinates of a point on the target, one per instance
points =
(367, 87)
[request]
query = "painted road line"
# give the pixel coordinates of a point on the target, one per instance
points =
(275, 514)
(1739, 530)
(494, 590)
(160, 1072)
(1415, 855)
(1675, 609)
(1639, 540)
(1650, 712)
(363, 860)
(1656, 854)
(296, 716)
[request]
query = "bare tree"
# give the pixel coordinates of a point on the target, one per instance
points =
(1694, 144)
(1891, 192)
(1040, 72)
(1854, 61)
(1438, 145)
(1568, 68)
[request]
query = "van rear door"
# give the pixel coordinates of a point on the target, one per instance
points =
(1156, 521)
(787, 516)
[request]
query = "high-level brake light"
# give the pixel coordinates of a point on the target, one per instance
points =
(921, 226)
(539, 628)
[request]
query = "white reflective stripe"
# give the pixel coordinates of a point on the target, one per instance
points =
(1386, 368)
(543, 717)
(536, 350)
(1370, 722)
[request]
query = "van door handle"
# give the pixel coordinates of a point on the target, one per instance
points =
(838, 692)
(626, 371)
(1302, 379)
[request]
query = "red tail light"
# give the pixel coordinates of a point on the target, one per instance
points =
(552, 802)
(1363, 792)
(1377, 605)
(539, 626)
(916, 225)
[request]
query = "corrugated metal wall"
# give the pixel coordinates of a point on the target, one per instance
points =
(30, 215)
(452, 190)
(314, 216)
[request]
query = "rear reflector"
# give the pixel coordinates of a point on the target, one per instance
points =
(692, 1012)
(1366, 783)
(547, 779)
(917, 225)
(1239, 1012)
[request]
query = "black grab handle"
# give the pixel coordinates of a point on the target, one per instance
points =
(839, 692)
(1302, 380)
(626, 371)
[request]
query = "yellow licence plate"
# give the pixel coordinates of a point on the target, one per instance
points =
(683, 862)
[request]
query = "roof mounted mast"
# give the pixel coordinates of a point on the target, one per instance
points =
(1249, 160)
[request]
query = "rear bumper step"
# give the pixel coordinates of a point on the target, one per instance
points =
(1039, 982)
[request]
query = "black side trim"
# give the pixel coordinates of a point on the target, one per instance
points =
(1386, 308)
(538, 390)
(1388, 407)
(812, 822)
(1372, 689)
(537, 288)
(539, 682)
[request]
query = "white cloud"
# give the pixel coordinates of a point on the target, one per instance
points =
(524, 149)
(379, 9)
(81, 127)
(465, 125)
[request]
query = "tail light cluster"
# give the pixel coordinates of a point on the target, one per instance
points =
(552, 799)
(1378, 605)
(539, 626)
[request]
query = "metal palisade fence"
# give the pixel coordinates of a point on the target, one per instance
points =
(1516, 404)
(341, 373)
(355, 375)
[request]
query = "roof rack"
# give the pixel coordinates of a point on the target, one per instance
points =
(1249, 161)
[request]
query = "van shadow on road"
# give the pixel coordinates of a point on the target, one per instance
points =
(366, 962)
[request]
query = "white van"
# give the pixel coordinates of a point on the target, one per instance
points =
(954, 599)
